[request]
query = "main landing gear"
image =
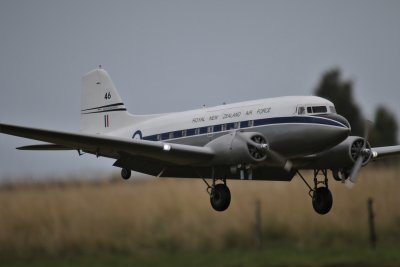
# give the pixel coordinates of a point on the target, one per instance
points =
(321, 195)
(220, 195)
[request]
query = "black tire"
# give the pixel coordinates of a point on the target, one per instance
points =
(336, 175)
(340, 175)
(220, 197)
(125, 174)
(322, 200)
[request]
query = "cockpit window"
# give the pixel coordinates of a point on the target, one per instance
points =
(315, 109)
(319, 109)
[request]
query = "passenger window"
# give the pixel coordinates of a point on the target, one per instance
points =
(309, 110)
(209, 129)
(301, 110)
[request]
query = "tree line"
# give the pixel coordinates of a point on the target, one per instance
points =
(335, 88)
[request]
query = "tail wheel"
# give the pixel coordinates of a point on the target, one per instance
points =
(220, 197)
(125, 173)
(322, 200)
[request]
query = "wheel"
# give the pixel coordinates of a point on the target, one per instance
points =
(340, 175)
(322, 200)
(125, 173)
(220, 197)
(336, 175)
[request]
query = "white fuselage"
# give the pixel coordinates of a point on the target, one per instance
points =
(280, 120)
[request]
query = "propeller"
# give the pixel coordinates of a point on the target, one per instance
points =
(259, 147)
(362, 153)
(282, 161)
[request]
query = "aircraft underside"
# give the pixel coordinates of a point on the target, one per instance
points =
(270, 167)
(218, 190)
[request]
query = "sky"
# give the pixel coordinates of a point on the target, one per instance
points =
(168, 56)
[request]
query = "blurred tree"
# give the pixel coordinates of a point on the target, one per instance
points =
(384, 131)
(340, 92)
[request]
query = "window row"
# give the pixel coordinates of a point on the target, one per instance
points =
(202, 130)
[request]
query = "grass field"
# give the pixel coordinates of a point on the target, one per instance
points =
(145, 222)
(283, 255)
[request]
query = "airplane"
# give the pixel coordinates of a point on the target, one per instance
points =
(269, 139)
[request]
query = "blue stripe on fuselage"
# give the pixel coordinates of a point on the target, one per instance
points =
(242, 125)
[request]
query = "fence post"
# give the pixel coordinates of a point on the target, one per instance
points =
(257, 230)
(371, 224)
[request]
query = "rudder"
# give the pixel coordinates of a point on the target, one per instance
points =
(102, 109)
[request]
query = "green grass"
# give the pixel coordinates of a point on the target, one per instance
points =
(272, 255)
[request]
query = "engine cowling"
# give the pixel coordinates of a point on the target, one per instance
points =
(345, 154)
(238, 148)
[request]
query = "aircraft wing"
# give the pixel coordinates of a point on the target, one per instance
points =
(42, 147)
(380, 152)
(110, 146)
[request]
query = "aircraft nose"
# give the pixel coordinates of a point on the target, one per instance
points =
(342, 120)
(337, 134)
(328, 131)
(338, 118)
(342, 129)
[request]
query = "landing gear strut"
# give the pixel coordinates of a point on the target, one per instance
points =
(321, 196)
(220, 195)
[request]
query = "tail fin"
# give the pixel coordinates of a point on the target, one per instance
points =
(102, 109)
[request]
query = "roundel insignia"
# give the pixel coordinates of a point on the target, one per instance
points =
(137, 135)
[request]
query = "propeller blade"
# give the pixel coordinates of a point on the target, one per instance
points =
(356, 169)
(282, 161)
(358, 164)
(367, 129)
(349, 184)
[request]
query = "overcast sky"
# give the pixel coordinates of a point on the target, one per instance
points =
(176, 55)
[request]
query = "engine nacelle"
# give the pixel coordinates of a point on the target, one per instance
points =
(345, 154)
(238, 148)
